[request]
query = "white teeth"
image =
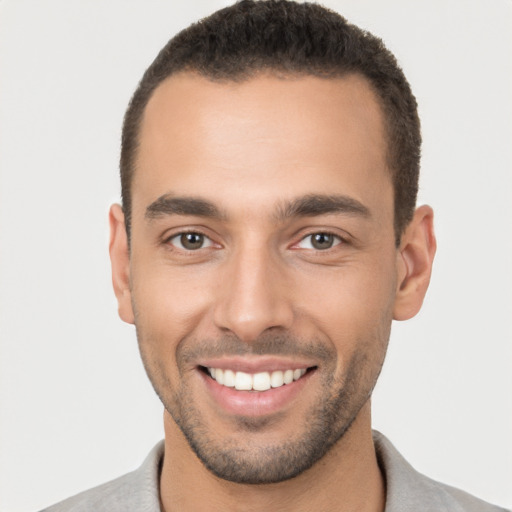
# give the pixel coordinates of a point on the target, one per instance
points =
(277, 379)
(288, 376)
(243, 381)
(229, 378)
(258, 381)
(261, 381)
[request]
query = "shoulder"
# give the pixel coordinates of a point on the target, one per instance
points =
(112, 496)
(410, 491)
(135, 491)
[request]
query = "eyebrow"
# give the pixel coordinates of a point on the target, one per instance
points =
(312, 205)
(172, 205)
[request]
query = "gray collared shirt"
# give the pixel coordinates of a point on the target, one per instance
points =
(406, 489)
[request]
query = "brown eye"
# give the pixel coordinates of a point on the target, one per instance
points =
(319, 241)
(322, 240)
(190, 241)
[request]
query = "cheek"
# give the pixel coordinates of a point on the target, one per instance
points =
(167, 298)
(166, 311)
(351, 305)
(350, 292)
(168, 307)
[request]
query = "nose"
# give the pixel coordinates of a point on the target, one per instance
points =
(252, 295)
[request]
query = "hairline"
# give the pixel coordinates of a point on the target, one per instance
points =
(280, 74)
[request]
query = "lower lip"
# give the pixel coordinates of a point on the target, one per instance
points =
(254, 403)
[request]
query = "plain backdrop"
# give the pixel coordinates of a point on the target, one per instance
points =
(76, 408)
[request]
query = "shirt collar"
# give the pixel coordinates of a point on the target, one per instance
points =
(406, 489)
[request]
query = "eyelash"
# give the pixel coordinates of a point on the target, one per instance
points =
(168, 240)
(337, 240)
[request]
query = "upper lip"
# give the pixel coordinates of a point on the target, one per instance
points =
(256, 364)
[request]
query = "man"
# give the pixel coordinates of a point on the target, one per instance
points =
(267, 238)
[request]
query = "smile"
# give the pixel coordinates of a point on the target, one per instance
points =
(261, 381)
(257, 387)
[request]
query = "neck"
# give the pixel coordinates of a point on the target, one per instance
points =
(346, 479)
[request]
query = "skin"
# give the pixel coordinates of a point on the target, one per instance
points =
(258, 292)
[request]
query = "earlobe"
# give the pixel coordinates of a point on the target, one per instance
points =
(416, 255)
(120, 260)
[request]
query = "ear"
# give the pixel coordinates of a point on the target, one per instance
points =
(415, 258)
(120, 260)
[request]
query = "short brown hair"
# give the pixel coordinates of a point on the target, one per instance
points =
(250, 36)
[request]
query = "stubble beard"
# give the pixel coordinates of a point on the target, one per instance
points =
(324, 425)
(338, 404)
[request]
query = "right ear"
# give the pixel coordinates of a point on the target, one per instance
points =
(120, 260)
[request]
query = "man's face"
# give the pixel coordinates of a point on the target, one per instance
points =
(263, 252)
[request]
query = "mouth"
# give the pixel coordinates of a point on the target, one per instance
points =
(260, 381)
(255, 387)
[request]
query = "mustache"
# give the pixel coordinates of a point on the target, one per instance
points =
(285, 345)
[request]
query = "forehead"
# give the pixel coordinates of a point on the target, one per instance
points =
(265, 136)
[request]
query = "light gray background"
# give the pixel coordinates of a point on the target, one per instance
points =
(75, 405)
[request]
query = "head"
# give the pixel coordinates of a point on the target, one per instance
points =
(287, 39)
(269, 167)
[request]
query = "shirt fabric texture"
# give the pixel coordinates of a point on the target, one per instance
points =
(406, 489)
